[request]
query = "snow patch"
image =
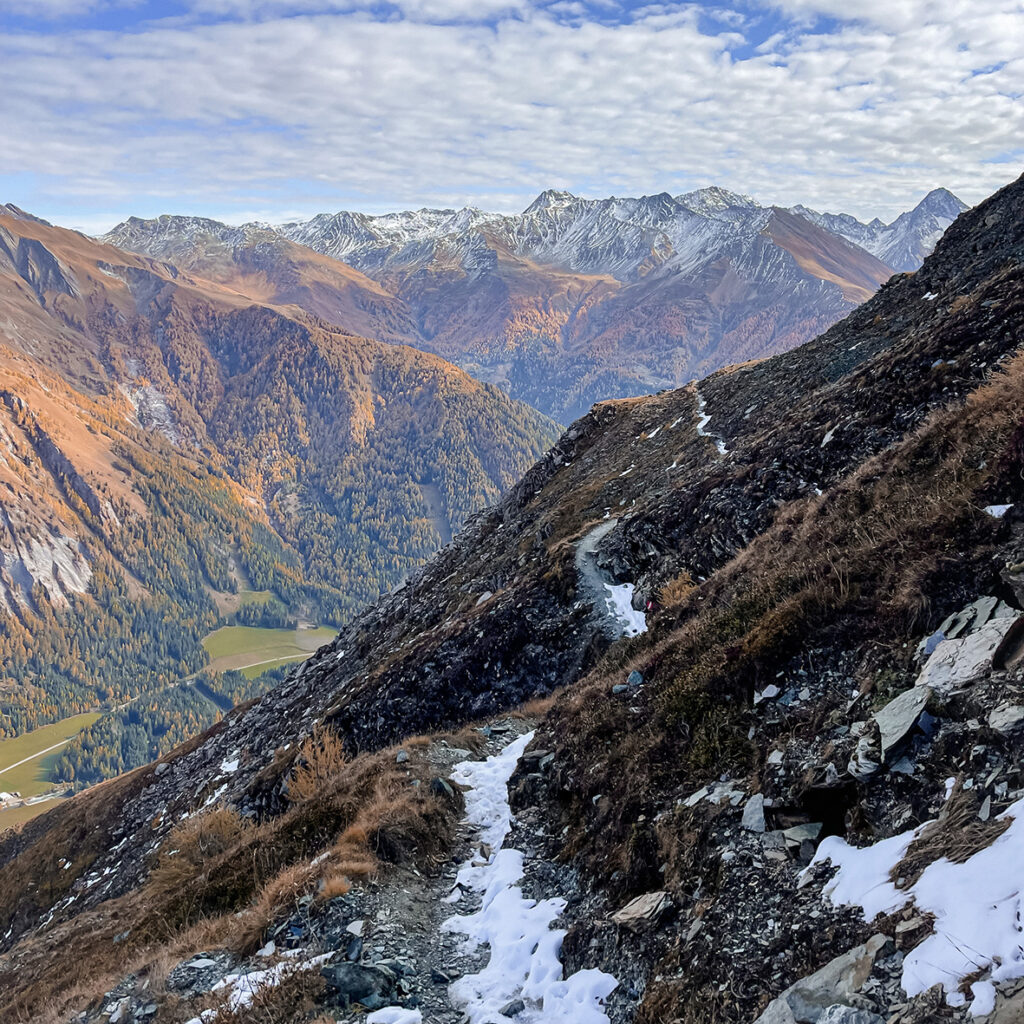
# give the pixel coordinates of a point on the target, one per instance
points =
(620, 605)
(524, 948)
(705, 419)
(395, 1015)
(977, 906)
(242, 989)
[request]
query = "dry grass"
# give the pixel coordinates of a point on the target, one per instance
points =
(956, 834)
(219, 880)
(295, 1000)
(676, 591)
(334, 886)
(322, 759)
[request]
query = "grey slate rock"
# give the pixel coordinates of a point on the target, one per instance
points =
(805, 1001)
(837, 1013)
(898, 718)
(352, 983)
(753, 814)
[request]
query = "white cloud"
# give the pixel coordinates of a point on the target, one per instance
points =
(323, 111)
(419, 10)
(52, 9)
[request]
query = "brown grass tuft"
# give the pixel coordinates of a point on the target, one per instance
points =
(956, 834)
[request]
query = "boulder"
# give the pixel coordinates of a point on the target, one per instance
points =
(806, 1001)
(352, 983)
(1006, 718)
(898, 718)
(753, 814)
(955, 663)
(643, 913)
(802, 833)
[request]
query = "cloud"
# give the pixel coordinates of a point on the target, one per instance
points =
(442, 11)
(52, 9)
(321, 111)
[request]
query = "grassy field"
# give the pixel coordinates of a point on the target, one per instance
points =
(16, 815)
(250, 647)
(228, 603)
(252, 671)
(33, 776)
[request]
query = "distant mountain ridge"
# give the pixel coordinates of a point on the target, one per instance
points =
(575, 300)
(905, 242)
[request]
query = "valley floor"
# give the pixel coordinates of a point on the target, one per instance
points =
(26, 763)
(253, 650)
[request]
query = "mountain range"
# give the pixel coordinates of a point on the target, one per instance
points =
(715, 716)
(575, 300)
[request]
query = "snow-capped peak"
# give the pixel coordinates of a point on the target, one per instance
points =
(551, 199)
(713, 199)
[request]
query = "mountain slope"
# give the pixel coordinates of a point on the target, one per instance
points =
(257, 262)
(668, 287)
(809, 529)
(168, 441)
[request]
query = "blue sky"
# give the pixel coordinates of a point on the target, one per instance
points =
(278, 109)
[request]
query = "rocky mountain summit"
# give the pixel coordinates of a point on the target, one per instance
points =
(574, 300)
(742, 660)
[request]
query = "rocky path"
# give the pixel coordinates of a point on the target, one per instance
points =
(475, 941)
(477, 948)
(611, 601)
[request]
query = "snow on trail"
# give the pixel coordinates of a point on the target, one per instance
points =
(524, 948)
(978, 908)
(620, 604)
(705, 419)
(616, 599)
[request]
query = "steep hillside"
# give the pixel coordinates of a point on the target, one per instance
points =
(168, 442)
(829, 549)
(572, 301)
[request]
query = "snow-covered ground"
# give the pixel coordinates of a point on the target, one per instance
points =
(524, 947)
(977, 906)
(620, 604)
(705, 419)
(518, 932)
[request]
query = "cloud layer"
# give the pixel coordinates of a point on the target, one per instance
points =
(279, 107)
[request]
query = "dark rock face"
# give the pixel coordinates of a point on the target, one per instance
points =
(373, 987)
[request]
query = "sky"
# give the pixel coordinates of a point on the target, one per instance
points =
(279, 109)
